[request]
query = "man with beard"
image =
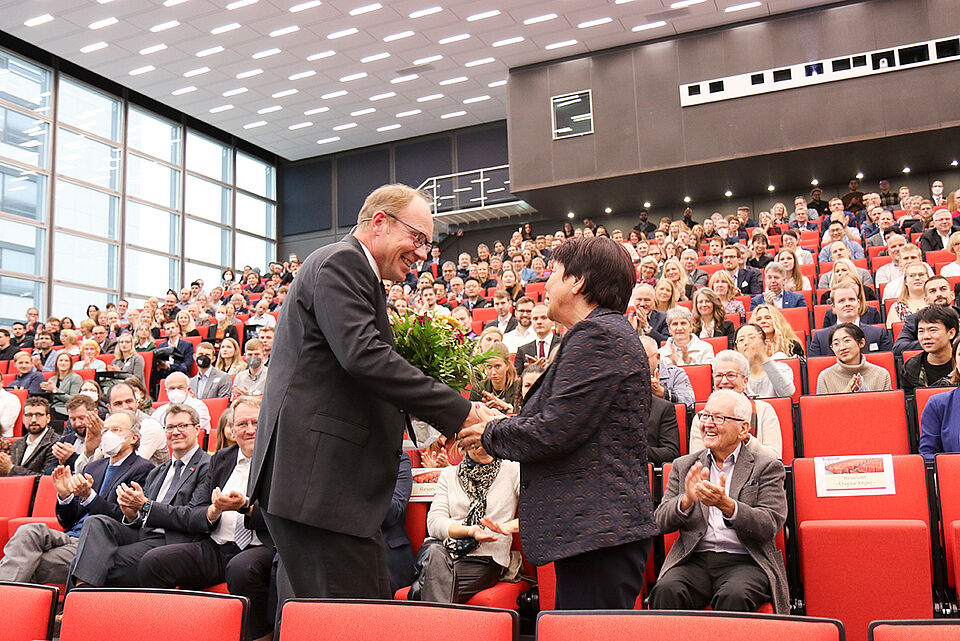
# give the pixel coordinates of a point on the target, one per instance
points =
(32, 454)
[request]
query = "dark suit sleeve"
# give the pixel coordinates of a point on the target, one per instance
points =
(663, 436)
(520, 359)
(818, 343)
(185, 349)
(184, 517)
(347, 320)
(100, 504)
(907, 339)
(401, 493)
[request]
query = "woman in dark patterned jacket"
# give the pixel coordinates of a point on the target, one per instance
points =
(580, 439)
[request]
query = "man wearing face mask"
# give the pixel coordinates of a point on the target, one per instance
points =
(153, 441)
(209, 381)
(250, 382)
(179, 393)
(37, 553)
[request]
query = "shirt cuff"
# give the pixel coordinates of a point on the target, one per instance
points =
(736, 507)
(87, 501)
(66, 501)
(680, 510)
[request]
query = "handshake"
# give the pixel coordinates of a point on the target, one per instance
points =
(475, 424)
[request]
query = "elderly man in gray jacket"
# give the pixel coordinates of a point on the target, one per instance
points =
(728, 504)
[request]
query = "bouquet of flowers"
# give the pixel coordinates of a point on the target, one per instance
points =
(437, 347)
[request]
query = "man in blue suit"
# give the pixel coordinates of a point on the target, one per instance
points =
(182, 358)
(774, 276)
(747, 279)
(846, 308)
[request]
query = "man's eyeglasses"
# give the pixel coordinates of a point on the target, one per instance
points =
(717, 419)
(179, 427)
(420, 239)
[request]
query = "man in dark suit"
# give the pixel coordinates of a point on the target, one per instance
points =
(695, 276)
(38, 553)
(749, 281)
(471, 295)
(725, 556)
(663, 432)
(937, 237)
(209, 381)
(158, 513)
(647, 320)
(336, 404)
(32, 454)
(544, 344)
(846, 309)
(505, 320)
(774, 276)
(102, 337)
(182, 358)
(238, 549)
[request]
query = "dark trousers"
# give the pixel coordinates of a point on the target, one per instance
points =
(449, 580)
(605, 579)
(319, 563)
(200, 564)
(723, 581)
(108, 553)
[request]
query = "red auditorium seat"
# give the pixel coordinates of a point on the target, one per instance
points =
(948, 489)
(865, 557)
(104, 614)
(3, 367)
(216, 407)
(535, 290)
(915, 630)
(825, 433)
(682, 427)
(795, 366)
(719, 343)
(939, 256)
(665, 625)
(484, 314)
(16, 493)
(701, 378)
(42, 509)
(147, 367)
(355, 620)
(923, 395)
(29, 611)
(22, 395)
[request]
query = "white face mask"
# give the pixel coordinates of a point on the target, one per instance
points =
(177, 396)
(91, 395)
(221, 316)
(110, 443)
(936, 190)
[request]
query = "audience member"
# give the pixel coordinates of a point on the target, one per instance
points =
(209, 382)
(937, 327)
(911, 299)
(7, 349)
(936, 291)
(647, 320)
(180, 358)
(505, 319)
(852, 372)
(32, 454)
(667, 381)
(250, 381)
(937, 237)
(776, 329)
(848, 307)
(62, 385)
(144, 339)
(180, 393)
(500, 387)
(543, 345)
(126, 359)
(125, 396)
(774, 293)
(522, 331)
(709, 319)
(229, 359)
(683, 347)
(940, 421)
(768, 378)
(663, 432)
(79, 442)
(396, 541)
(909, 255)
(9, 412)
(27, 377)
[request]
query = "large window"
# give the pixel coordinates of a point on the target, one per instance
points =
(110, 200)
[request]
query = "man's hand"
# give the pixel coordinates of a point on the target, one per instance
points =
(61, 481)
(63, 451)
(6, 463)
(81, 485)
(469, 436)
(221, 502)
(769, 297)
(714, 495)
(656, 387)
(533, 360)
(91, 441)
(131, 496)
(694, 475)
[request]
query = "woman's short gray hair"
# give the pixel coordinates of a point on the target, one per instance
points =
(679, 313)
(734, 358)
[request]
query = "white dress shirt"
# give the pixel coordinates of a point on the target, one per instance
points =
(515, 338)
(225, 532)
(32, 445)
(9, 412)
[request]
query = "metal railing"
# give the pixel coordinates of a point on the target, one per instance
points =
(469, 189)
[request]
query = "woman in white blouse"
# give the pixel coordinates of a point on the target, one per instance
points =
(683, 347)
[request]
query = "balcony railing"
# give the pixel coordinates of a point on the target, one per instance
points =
(469, 189)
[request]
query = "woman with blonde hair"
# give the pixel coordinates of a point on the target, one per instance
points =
(86, 329)
(844, 269)
(488, 338)
(674, 272)
(647, 271)
(726, 290)
(795, 281)
(126, 359)
(144, 338)
(911, 299)
(665, 295)
(229, 358)
(187, 326)
(70, 339)
(500, 388)
(709, 319)
(953, 246)
(786, 343)
(89, 350)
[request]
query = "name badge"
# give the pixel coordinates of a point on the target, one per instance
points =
(874, 347)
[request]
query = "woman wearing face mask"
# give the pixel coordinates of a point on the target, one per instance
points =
(92, 390)
(64, 384)
(126, 359)
(228, 279)
(224, 327)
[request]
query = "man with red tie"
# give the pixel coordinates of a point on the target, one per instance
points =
(544, 343)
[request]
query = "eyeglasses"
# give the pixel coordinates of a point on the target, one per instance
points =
(730, 376)
(420, 240)
(717, 419)
(179, 427)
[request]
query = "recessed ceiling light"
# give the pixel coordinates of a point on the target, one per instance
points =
(324, 141)
(239, 4)
(741, 7)
(562, 43)
(683, 4)
(479, 61)
(217, 110)
(318, 110)
(456, 38)
(543, 18)
(814, 182)
(626, 1)
(647, 204)
(146, 51)
(203, 53)
(412, 112)
(453, 114)
(303, 6)
(367, 8)
(906, 170)
(425, 12)
(496, 83)
(375, 57)
(353, 76)
(265, 53)
(276, 33)
(400, 79)
(727, 193)
(342, 33)
(594, 23)
(302, 75)
(650, 25)
(485, 14)
(687, 199)
(249, 74)
(183, 90)
(269, 110)
(225, 28)
(96, 46)
(398, 36)
(608, 211)
(383, 96)
(300, 125)
(254, 125)
(433, 96)
(954, 163)
(333, 94)
(427, 60)
(284, 93)
(570, 214)
(508, 41)
(234, 92)
(362, 112)
(195, 72)
(476, 99)
(388, 127)
(771, 188)
(453, 81)
(347, 125)
(321, 55)
(141, 70)
(106, 22)
(859, 175)
(163, 26)
(173, 3)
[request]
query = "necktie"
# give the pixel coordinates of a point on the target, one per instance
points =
(242, 535)
(107, 476)
(177, 470)
(540, 349)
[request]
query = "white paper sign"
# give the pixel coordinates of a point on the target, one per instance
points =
(424, 484)
(854, 475)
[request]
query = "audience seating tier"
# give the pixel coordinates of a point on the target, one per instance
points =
(859, 431)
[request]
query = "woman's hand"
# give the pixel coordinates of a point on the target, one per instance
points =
(482, 535)
(48, 386)
(855, 383)
(508, 528)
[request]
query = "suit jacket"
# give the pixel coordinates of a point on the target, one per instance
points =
(108, 346)
(176, 515)
(183, 362)
(878, 340)
(930, 240)
(231, 332)
(219, 384)
(221, 467)
(749, 281)
(477, 304)
(511, 324)
(132, 469)
(698, 278)
(663, 432)
(337, 399)
(790, 300)
(581, 442)
(394, 530)
(530, 349)
(658, 326)
(41, 461)
(757, 487)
